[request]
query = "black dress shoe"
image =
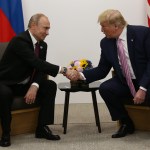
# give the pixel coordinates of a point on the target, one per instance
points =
(46, 133)
(123, 131)
(5, 141)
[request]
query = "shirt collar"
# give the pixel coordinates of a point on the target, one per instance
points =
(34, 41)
(123, 35)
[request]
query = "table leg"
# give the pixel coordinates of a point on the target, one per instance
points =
(96, 111)
(66, 106)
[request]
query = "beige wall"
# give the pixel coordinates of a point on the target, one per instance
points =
(75, 33)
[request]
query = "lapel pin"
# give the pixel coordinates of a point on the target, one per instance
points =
(132, 40)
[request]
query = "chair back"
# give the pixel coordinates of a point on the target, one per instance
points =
(2, 49)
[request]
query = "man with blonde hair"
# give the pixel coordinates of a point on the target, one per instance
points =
(126, 49)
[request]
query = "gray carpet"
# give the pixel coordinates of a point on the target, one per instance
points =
(82, 133)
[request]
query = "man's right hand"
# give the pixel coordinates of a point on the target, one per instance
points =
(73, 75)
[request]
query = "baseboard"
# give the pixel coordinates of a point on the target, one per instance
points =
(24, 121)
(140, 116)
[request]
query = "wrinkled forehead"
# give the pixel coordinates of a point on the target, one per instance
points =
(105, 24)
(43, 21)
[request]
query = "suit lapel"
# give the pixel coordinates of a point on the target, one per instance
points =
(130, 43)
(42, 53)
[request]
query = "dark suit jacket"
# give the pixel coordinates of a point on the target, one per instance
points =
(19, 61)
(138, 41)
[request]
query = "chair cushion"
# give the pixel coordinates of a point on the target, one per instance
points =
(19, 103)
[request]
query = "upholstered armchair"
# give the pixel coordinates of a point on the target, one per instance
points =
(140, 113)
(24, 116)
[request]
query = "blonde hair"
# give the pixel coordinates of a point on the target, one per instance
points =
(112, 17)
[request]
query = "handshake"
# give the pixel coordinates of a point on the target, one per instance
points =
(74, 71)
(72, 74)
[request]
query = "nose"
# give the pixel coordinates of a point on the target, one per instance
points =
(47, 32)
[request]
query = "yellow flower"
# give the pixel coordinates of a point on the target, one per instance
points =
(80, 65)
(83, 63)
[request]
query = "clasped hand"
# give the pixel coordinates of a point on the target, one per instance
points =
(73, 75)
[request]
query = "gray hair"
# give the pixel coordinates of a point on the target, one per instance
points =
(35, 19)
(112, 17)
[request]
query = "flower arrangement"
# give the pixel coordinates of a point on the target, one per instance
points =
(80, 65)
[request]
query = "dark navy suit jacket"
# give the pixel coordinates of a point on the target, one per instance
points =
(19, 60)
(138, 42)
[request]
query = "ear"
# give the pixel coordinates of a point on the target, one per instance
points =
(116, 26)
(33, 24)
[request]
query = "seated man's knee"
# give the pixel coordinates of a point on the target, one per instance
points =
(103, 87)
(52, 84)
(6, 94)
(48, 85)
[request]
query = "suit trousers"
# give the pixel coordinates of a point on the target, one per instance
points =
(114, 92)
(45, 97)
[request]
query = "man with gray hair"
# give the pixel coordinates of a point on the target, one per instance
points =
(23, 68)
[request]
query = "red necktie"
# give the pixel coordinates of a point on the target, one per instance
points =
(125, 66)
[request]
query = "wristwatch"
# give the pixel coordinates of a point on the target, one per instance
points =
(64, 70)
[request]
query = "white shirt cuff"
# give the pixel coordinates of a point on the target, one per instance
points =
(142, 88)
(35, 84)
(83, 77)
(59, 69)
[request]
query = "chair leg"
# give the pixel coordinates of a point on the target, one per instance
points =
(96, 111)
(66, 107)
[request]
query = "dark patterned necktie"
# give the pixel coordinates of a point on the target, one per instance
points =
(125, 66)
(37, 49)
